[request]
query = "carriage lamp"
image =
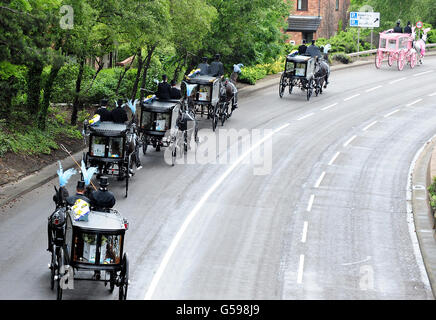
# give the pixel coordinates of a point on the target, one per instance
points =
(126, 224)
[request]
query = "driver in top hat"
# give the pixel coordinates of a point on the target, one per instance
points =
(102, 199)
(80, 194)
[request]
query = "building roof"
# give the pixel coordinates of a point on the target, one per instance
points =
(304, 23)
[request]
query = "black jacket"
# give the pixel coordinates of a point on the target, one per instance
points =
(407, 29)
(105, 114)
(72, 199)
(175, 93)
(102, 199)
(398, 29)
(119, 115)
(216, 69)
(302, 49)
(163, 90)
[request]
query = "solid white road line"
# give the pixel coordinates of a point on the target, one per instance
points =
(300, 269)
(372, 89)
(309, 205)
(391, 113)
(304, 236)
(334, 158)
(349, 98)
(330, 106)
(319, 180)
(349, 141)
(420, 74)
(196, 209)
(414, 102)
(395, 81)
(306, 116)
(369, 125)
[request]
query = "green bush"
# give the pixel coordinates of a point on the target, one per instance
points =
(432, 194)
(341, 57)
(252, 74)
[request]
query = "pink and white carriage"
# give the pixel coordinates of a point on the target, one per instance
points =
(396, 47)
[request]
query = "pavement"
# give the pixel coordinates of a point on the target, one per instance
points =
(329, 221)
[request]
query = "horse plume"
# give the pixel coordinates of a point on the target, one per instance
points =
(64, 176)
(132, 106)
(88, 173)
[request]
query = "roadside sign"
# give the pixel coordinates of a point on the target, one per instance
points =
(419, 24)
(365, 19)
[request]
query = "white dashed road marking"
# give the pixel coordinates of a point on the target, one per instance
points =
(349, 98)
(349, 141)
(369, 125)
(334, 158)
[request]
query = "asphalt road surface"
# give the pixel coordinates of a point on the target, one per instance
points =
(327, 219)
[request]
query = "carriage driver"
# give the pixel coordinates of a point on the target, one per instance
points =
(105, 114)
(80, 194)
(102, 199)
(216, 68)
(204, 67)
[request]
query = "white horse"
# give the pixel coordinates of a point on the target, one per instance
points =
(419, 45)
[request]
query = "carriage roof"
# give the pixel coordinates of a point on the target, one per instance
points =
(160, 105)
(394, 35)
(298, 58)
(104, 221)
(109, 128)
(205, 79)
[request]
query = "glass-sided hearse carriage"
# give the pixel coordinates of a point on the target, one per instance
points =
(396, 47)
(299, 72)
(164, 123)
(206, 97)
(109, 149)
(92, 247)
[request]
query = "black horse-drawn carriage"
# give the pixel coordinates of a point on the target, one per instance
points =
(111, 149)
(166, 123)
(207, 95)
(82, 246)
(305, 72)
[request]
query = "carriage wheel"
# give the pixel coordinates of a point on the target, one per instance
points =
(282, 85)
(401, 60)
(413, 60)
(124, 278)
(391, 59)
(378, 59)
(215, 118)
(309, 89)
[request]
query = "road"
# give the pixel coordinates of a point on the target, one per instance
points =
(327, 221)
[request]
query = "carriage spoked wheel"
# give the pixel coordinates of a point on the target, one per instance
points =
(401, 60)
(413, 60)
(215, 118)
(378, 59)
(309, 89)
(282, 85)
(123, 281)
(391, 59)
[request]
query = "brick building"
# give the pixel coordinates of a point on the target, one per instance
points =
(312, 19)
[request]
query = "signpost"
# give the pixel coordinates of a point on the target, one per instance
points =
(364, 20)
(419, 26)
